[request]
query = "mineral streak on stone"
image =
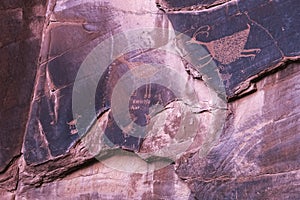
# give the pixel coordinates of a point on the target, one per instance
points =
(257, 157)
(255, 44)
(69, 37)
(51, 130)
(165, 136)
(52, 106)
(21, 25)
(92, 182)
(244, 37)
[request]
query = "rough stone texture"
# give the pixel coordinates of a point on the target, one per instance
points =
(244, 37)
(51, 131)
(96, 181)
(83, 23)
(21, 25)
(257, 156)
(254, 48)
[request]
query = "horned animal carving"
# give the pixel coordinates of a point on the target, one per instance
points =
(226, 49)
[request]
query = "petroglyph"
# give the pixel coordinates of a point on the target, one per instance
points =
(226, 49)
(72, 126)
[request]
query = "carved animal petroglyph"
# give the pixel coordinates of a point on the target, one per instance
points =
(226, 49)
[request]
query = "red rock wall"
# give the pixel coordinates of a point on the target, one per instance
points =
(149, 99)
(21, 25)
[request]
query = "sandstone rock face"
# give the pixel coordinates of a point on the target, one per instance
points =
(257, 156)
(265, 32)
(96, 181)
(21, 26)
(149, 99)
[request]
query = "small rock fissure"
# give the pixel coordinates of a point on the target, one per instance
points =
(193, 8)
